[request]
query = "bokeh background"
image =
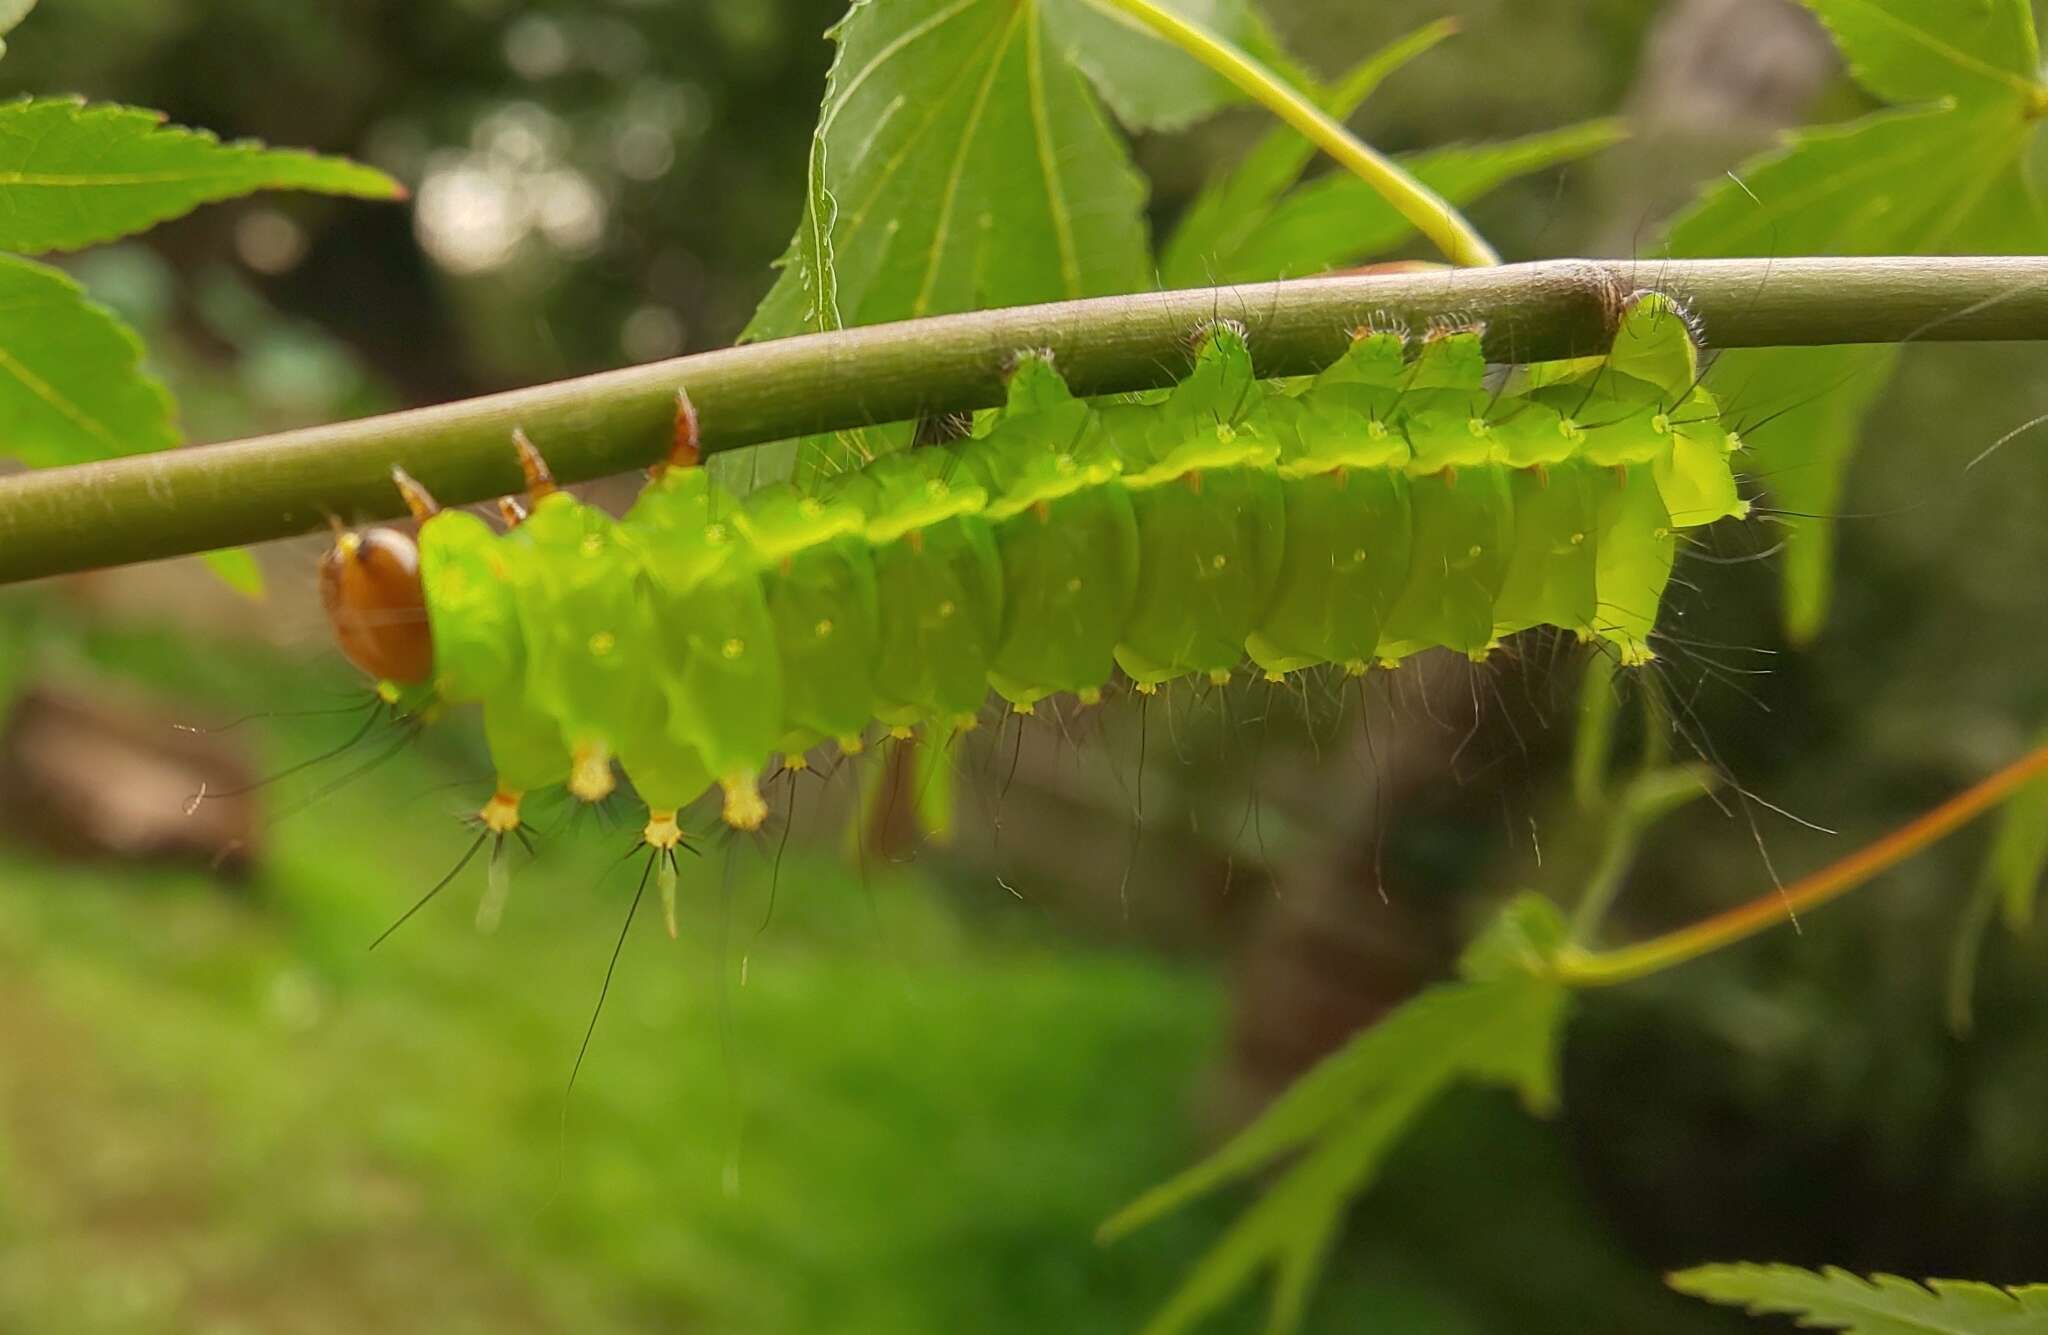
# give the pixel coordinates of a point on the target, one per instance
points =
(897, 1092)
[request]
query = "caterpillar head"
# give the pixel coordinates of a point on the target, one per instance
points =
(370, 586)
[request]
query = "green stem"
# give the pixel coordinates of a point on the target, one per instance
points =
(1617, 852)
(1656, 790)
(175, 502)
(1582, 968)
(1416, 202)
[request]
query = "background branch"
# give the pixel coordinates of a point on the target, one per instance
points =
(196, 499)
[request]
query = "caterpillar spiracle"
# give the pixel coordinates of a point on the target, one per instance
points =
(1393, 503)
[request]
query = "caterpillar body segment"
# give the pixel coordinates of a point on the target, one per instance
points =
(1395, 503)
(1066, 536)
(822, 597)
(1210, 518)
(938, 584)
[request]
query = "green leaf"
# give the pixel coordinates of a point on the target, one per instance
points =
(73, 175)
(960, 162)
(1262, 44)
(1234, 205)
(1892, 179)
(1523, 939)
(1813, 402)
(1921, 50)
(1944, 180)
(1501, 1026)
(1339, 219)
(237, 569)
(11, 13)
(1834, 1299)
(71, 384)
(1149, 84)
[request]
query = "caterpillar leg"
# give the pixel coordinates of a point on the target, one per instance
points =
(500, 819)
(663, 836)
(590, 772)
(684, 451)
(745, 808)
(540, 479)
(500, 815)
(417, 498)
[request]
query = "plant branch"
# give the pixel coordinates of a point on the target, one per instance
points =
(174, 502)
(1655, 792)
(1432, 215)
(1581, 968)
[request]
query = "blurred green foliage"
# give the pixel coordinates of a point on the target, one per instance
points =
(636, 166)
(889, 1109)
(1949, 173)
(219, 1113)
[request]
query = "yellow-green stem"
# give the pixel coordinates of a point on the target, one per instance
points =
(1581, 968)
(1446, 229)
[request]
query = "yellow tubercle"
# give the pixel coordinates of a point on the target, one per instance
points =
(662, 832)
(965, 723)
(500, 815)
(793, 761)
(663, 835)
(1148, 687)
(1219, 677)
(1356, 667)
(1017, 707)
(745, 809)
(901, 733)
(1276, 677)
(590, 772)
(851, 744)
(1089, 695)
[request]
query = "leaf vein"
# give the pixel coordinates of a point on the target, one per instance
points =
(895, 47)
(47, 392)
(950, 195)
(1056, 197)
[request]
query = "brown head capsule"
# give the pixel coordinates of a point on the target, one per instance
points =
(370, 585)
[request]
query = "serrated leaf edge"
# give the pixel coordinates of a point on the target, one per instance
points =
(377, 185)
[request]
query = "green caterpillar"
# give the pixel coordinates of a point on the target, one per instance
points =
(1390, 505)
